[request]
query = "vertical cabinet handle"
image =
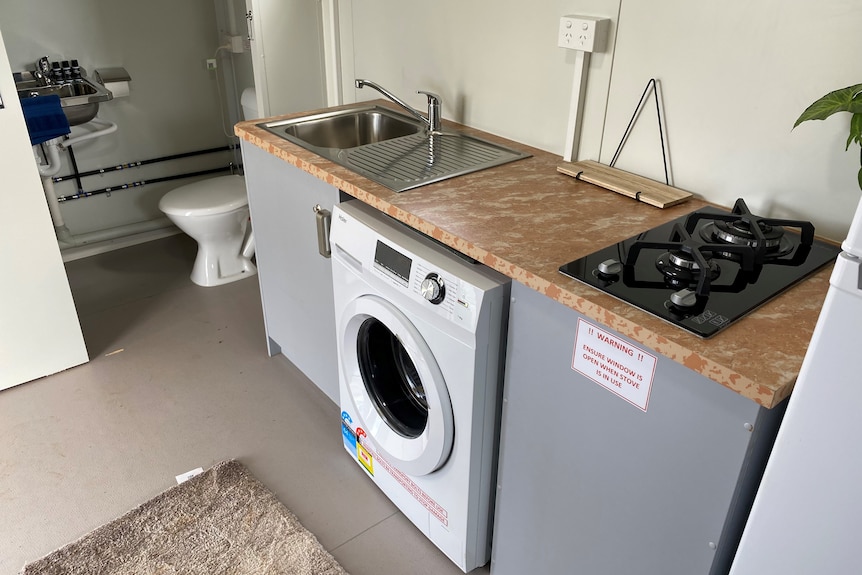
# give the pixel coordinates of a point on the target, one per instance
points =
(324, 220)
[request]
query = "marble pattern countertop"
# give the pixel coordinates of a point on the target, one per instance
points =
(525, 219)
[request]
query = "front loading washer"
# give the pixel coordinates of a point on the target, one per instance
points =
(421, 333)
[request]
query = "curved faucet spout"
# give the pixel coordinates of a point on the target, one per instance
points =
(434, 119)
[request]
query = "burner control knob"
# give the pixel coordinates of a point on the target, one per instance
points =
(683, 298)
(610, 267)
(433, 289)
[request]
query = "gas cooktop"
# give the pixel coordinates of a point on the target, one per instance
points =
(705, 270)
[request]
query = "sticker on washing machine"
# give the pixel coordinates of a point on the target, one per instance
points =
(347, 434)
(349, 437)
(437, 510)
(365, 458)
(613, 363)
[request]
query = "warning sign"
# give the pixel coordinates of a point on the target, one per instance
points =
(613, 363)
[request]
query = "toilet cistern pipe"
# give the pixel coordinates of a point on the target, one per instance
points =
(434, 119)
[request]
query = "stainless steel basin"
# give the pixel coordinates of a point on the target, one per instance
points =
(79, 98)
(390, 148)
(352, 129)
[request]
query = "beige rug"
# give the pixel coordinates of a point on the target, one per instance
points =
(222, 521)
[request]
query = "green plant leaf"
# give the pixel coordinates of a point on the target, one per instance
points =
(860, 178)
(844, 100)
(855, 130)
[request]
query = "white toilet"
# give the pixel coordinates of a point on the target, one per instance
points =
(215, 213)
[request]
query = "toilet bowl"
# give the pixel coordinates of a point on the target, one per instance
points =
(214, 212)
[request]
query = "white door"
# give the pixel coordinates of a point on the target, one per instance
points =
(288, 55)
(395, 385)
(39, 329)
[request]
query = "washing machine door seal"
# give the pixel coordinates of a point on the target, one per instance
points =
(396, 386)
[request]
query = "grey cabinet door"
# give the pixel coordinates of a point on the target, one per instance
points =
(295, 280)
(590, 483)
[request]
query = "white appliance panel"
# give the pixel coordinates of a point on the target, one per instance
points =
(806, 511)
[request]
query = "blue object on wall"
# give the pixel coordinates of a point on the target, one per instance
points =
(45, 118)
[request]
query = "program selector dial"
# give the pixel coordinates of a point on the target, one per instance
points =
(433, 289)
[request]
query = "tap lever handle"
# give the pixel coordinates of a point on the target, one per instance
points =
(432, 97)
(435, 105)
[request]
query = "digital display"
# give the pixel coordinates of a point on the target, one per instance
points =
(393, 261)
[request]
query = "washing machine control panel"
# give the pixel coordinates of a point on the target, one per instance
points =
(437, 289)
(438, 279)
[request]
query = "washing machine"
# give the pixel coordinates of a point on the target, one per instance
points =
(421, 332)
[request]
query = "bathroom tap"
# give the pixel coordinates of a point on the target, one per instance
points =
(43, 71)
(434, 119)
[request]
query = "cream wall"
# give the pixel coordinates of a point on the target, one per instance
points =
(496, 64)
(735, 75)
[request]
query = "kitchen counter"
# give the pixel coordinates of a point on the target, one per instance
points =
(524, 219)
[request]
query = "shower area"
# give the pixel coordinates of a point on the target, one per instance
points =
(189, 66)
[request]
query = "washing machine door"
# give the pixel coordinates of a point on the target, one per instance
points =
(395, 386)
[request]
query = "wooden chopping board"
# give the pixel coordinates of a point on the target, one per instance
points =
(642, 189)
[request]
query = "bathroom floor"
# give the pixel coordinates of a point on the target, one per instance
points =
(178, 379)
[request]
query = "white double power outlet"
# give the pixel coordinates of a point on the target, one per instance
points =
(584, 33)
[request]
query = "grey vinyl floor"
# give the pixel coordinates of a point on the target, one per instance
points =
(178, 379)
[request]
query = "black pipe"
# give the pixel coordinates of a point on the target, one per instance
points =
(80, 186)
(83, 194)
(119, 167)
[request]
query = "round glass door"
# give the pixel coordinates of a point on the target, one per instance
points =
(395, 386)
(391, 379)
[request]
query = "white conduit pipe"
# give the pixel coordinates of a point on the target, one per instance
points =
(52, 156)
(117, 232)
(106, 128)
(52, 168)
(53, 204)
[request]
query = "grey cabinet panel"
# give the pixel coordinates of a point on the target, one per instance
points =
(295, 280)
(589, 483)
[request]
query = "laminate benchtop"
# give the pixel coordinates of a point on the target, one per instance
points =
(524, 219)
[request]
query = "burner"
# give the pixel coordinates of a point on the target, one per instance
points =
(742, 232)
(681, 269)
(741, 228)
(686, 256)
(738, 233)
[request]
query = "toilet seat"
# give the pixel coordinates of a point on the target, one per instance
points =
(206, 197)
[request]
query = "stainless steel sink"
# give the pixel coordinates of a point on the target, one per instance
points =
(390, 148)
(350, 130)
(79, 98)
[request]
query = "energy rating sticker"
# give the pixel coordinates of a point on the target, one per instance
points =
(365, 458)
(613, 363)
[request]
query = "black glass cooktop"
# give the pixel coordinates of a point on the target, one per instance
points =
(707, 269)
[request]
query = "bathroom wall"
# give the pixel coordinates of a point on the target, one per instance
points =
(173, 106)
(734, 76)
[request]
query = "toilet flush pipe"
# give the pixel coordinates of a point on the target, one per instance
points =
(104, 129)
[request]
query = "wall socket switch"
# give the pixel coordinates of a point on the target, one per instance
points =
(211, 64)
(584, 33)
